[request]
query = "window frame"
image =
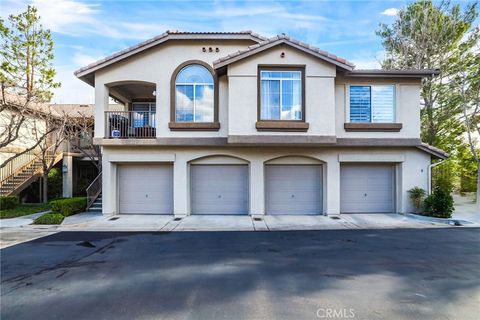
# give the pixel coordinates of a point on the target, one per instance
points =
(279, 68)
(150, 112)
(192, 125)
(394, 108)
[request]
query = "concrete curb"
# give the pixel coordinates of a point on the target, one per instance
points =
(452, 222)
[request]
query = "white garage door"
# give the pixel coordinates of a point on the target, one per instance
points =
(367, 188)
(145, 188)
(293, 189)
(219, 189)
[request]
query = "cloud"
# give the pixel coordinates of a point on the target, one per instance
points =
(72, 90)
(390, 12)
(368, 60)
(81, 59)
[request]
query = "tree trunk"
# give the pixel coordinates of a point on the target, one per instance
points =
(45, 188)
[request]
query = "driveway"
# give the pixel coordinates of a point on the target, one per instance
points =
(357, 274)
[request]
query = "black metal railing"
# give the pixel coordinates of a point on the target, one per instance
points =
(130, 124)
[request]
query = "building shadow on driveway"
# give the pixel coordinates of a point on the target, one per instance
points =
(401, 274)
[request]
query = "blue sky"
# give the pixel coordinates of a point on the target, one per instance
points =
(85, 31)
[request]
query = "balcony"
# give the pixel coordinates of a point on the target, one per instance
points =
(130, 125)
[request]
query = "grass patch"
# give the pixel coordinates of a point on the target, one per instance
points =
(23, 210)
(49, 218)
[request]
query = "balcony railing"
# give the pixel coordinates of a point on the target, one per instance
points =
(130, 124)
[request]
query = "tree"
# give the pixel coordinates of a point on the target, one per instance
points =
(27, 54)
(465, 93)
(26, 73)
(51, 146)
(429, 36)
(27, 81)
(79, 134)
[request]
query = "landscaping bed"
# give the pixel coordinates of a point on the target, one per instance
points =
(62, 208)
(23, 210)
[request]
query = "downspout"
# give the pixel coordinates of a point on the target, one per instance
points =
(429, 172)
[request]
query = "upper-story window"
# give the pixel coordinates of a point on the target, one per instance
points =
(372, 103)
(194, 94)
(281, 94)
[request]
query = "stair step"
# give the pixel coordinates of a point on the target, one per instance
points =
(95, 209)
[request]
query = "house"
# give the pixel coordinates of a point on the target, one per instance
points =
(234, 123)
(21, 169)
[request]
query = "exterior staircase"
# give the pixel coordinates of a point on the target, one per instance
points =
(94, 195)
(96, 206)
(20, 172)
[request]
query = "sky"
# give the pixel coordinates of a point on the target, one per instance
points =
(86, 31)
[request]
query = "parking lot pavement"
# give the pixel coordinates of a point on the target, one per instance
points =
(363, 274)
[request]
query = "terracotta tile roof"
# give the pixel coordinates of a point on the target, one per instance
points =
(393, 73)
(438, 153)
(238, 55)
(169, 34)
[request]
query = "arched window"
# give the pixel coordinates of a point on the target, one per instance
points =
(194, 94)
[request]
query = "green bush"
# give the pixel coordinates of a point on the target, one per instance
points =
(8, 202)
(49, 218)
(55, 183)
(439, 204)
(69, 206)
(417, 195)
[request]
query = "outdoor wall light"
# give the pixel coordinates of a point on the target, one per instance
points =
(282, 55)
(217, 50)
(204, 49)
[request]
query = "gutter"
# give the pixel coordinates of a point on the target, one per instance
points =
(430, 167)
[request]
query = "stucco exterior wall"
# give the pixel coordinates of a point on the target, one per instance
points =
(156, 66)
(411, 170)
(27, 137)
(407, 107)
(319, 92)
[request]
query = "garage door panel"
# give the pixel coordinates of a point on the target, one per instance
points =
(293, 189)
(145, 189)
(219, 189)
(367, 188)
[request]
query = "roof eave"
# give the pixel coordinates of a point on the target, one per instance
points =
(247, 53)
(437, 153)
(392, 73)
(82, 72)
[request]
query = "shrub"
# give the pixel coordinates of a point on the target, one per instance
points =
(69, 206)
(55, 183)
(8, 202)
(49, 218)
(439, 204)
(417, 195)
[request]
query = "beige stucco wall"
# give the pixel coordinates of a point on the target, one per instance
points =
(326, 93)
(157, 66)
(319, 92)
(407, 107)
(27, 137)
(411, 168)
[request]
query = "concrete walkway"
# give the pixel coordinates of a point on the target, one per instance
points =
(20, 230)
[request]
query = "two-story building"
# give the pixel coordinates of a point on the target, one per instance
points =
(234, 123)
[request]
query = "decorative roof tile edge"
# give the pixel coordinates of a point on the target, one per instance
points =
(169, 34)
(439, 153)
(279, 39)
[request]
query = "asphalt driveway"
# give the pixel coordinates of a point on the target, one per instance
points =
(328, 274)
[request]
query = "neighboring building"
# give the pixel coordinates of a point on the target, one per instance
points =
(233, 123)
(21, 175)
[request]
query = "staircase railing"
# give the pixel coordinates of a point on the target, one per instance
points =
(22, 168)
(94, 190)
(16, 164)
